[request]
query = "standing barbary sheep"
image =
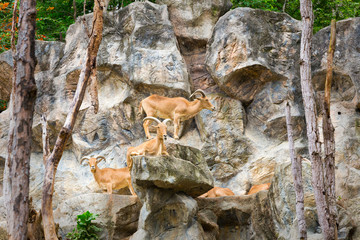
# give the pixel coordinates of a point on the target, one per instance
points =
(177, 109)
(217, 192)
(109, 178)
(153, 147)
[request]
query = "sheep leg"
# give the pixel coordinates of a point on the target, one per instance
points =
(146, 128)
(109, 188)
(163, 149)
(176, 127)
(131, 187)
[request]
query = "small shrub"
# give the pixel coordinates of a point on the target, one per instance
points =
(3, 105)
(85, 229)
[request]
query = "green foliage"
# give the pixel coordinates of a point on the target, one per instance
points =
(324, 10)
(85, 229)
(3, 105)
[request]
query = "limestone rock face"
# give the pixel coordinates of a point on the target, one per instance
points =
(283, 205)
(170, 173)
(166, 185)
(253, 59)
(168, 215)
(195, 19)
(249, 48)
(346, 83)
(118, 215)
(344, 106)
(193, 23)
(247, 62)
(225, 149)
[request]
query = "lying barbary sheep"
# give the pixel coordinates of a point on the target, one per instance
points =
(217, 192)
(109, 178)
(177, 109)
(153, 147)
(257, 188)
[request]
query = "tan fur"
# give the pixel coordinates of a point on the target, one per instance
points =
(258, 188)
(110, 178)
(217, 192)
(177, 109)
(153, 147)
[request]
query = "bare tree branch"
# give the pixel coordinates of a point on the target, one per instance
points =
(296, 168)
(45, 139)
(328, 133)
(311, 121)
(65, 132)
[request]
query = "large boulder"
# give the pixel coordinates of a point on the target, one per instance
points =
(118, 215)
(168, 215)
(166, 185)
(252, 56)
(250, 47)
(189, 175)
(193, 23)
(225, 148)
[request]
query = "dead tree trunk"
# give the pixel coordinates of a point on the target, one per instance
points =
(53, 160)
(74, 6)
(17, 167)
(311, 120)
(328, 132)
(296, 168)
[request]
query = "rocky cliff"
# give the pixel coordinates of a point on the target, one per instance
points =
(247, 62)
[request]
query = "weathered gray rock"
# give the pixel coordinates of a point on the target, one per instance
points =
(266, 113)
(283, 205)
(344, 106)
(346, 81)
(250, 47)
(237, 217)
(252, 57)
(226, 217)
(118, 215)
(174, 174)
(194, 20)
(225, 148)
(168, 215)
(193, 23)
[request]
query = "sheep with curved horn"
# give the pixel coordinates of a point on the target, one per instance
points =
(153, 147)
(109, 178)
(177, 109)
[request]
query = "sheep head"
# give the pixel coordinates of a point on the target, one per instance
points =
(161, 128)
(92, 162)
(204, 100)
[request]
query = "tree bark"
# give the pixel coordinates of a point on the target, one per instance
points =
(296, 169)
(94, 92)
(74, 6)
(311, 120)
(17, 167)
(65, 132)
(328, 133)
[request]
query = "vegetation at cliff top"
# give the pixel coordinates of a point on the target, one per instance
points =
(55, 16)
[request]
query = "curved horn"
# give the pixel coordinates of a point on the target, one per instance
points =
(83, 159)
(100, 158)
(166, 120)
(198, 91)
(152, 118)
